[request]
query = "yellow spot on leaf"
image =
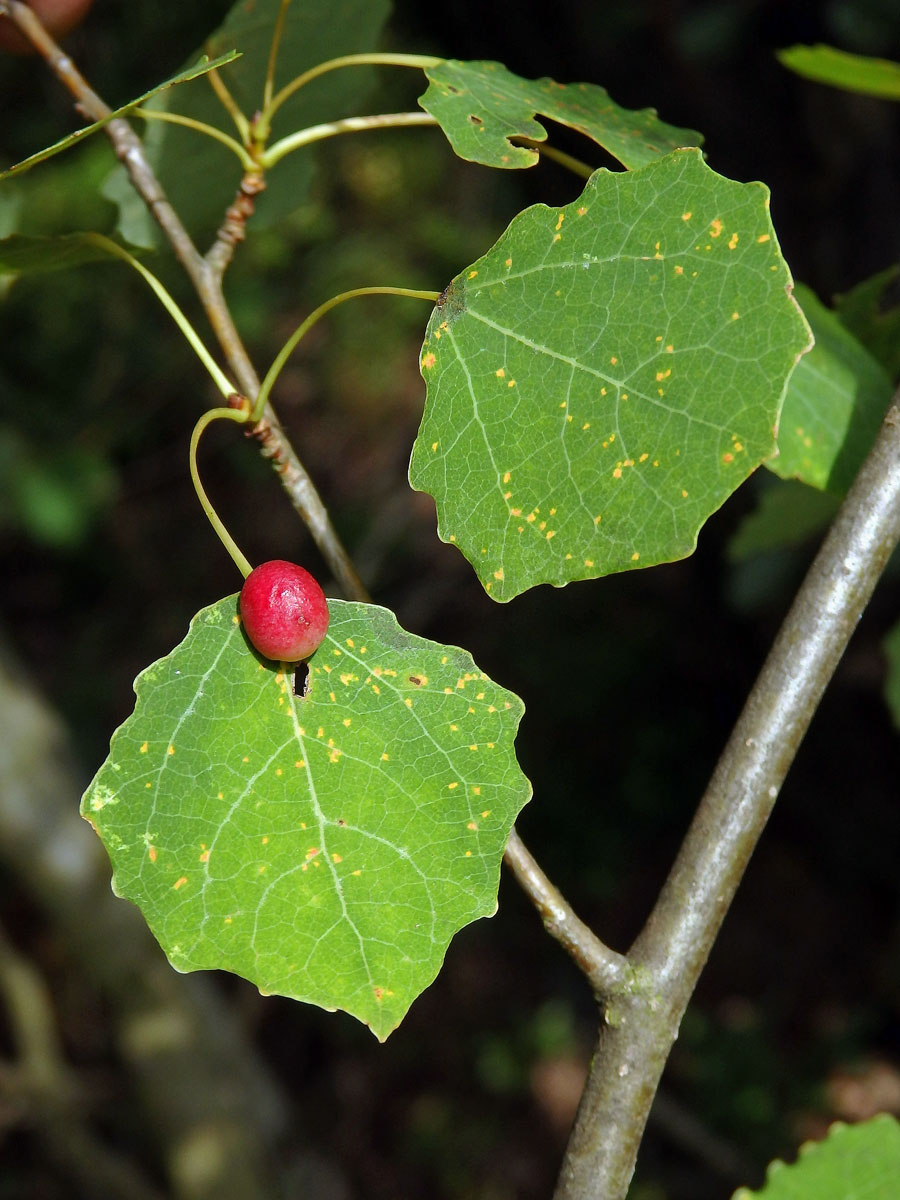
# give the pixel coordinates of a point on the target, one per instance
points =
(472, 274)
(617, 473)
(733, 241)
(506, 477)
(204, 857)
(498, 574)
(428, 360)
(151, 853)
(716, 228)
(613, 360)
(764, 237)
(635, 556)
(179, 883)
(735, 316)
(170, 751)
(686, 216)
(588, 562)
(144, 748)
(500, 372)
(511, 384)
(452, 786)
(561, 218)
(385, 758)
(336, 858)
(727, 457)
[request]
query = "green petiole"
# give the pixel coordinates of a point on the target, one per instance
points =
(225, 386)
(304, 327)
(217, 414)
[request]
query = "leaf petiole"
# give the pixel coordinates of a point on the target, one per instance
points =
(304, 327)
(228, 102)
(422, 61)
(239, 415)
(317, 133)
(218, 376)
(150, 114)
(273, 55)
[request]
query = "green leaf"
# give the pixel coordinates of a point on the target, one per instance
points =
(326, 847)
(606, 376)
(201, 67)
(481, 105)
(200, 175)
(892, 678)
(854, 1162)
(871, 312)
(833, 407)
(851, 72)
(23, 254)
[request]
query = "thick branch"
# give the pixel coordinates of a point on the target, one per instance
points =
(207, 282)
(675, 943)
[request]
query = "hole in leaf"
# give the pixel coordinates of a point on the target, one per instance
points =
(476, 120)
(301, 680)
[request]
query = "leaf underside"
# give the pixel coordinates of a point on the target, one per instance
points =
(325, 846)
(606, 376)
(481, 105)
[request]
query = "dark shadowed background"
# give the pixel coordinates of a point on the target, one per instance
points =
(631, 683)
